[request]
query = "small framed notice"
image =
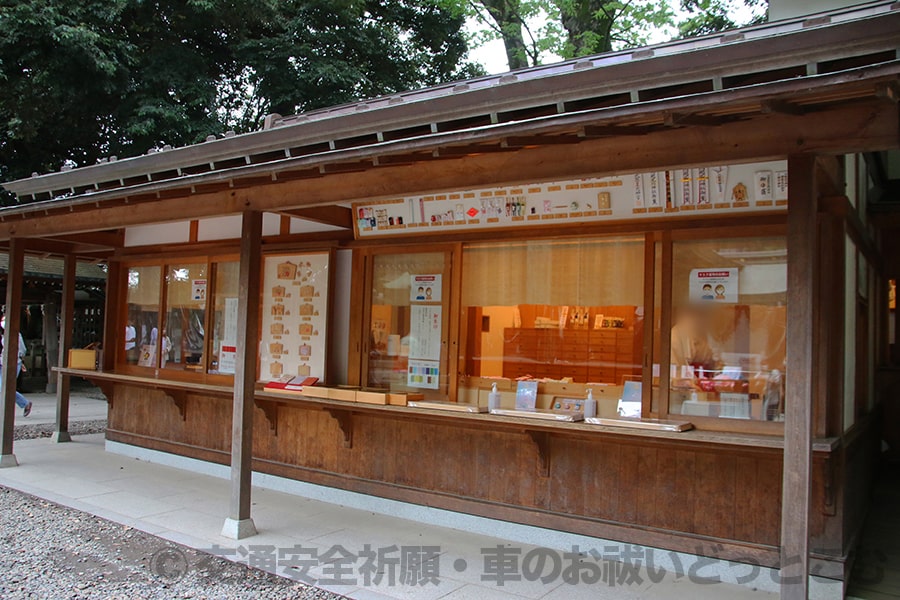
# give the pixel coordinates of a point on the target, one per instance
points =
(526, 395)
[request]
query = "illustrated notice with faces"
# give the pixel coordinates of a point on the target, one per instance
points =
(294, 319)
(714, 285)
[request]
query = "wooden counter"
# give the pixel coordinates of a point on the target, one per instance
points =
(263, 398)
(681, 491)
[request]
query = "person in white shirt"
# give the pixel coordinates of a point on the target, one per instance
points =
(21, 401)
(131, 342)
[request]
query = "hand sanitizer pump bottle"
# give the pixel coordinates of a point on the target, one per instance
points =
(590, 405)
(493, 398)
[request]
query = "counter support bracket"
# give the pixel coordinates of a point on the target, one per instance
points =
(541, 441)
(107, 387)
(179, 398)
(270, 410)
(344, 420)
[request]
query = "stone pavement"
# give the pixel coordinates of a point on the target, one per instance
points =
(334, 546)
(85, 404)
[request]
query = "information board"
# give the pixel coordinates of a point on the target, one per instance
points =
(717, 189)
(294, 316)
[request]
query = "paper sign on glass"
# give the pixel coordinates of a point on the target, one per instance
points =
(425, 288)
(714, 285)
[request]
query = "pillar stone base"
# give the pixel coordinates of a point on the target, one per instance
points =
(60, 436)
(238, 529)
(8, 460)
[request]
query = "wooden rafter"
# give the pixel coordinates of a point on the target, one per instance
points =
(337, 216)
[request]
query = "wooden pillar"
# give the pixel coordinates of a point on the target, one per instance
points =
(66, 323)
(50, 337)
(10, 350)
(113, 326)
(239, 524)
(801, 317)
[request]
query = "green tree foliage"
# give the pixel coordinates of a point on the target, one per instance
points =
(85, 79)
(711, 16)
(570, 28)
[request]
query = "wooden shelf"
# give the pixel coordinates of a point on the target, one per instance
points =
(585, 355)
(106, 377)
(486, 420)
(480, 420)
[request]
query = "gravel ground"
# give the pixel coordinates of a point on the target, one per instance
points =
(30, 432)
(49, 551)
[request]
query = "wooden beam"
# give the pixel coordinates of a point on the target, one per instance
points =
(473, 149)
(10, 351)
(346, 167)
(338, 216)
(857, 128)
(801, 317)
(404, 159)
(889, 91)
(597, 131)
(103, 239)
(541, 140)
(781, 107)
(66, 325)
(830, 176)
(239, 523)
(43, 247)
(675, 119)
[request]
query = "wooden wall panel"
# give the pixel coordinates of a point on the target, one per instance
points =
(714, 494)
(652, 487)
(606, 482)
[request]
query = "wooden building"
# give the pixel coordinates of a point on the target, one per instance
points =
(683, 231)
(41, 289)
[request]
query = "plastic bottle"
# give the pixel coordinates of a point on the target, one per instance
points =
(493, 398)
(590, 405)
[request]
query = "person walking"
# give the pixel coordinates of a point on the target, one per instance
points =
(21, 401)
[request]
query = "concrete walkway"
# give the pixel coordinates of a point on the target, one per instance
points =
(336, 547)
(84, 405)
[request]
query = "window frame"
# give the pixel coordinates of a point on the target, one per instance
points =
(358, 365)
(661, 232)
(164, 263)
(669, 238)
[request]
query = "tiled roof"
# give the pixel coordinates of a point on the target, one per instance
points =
(772, 61)
(52, 268)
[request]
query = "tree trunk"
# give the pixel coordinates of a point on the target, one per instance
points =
(507, 16)
(587, 26)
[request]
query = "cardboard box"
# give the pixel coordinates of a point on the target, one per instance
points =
(372, 396)
(341, 393)
(83, 359)
(312, 391)
(401, 398)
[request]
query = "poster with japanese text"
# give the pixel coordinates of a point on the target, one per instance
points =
(425, 332)
(228, 347)
(294, 316)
